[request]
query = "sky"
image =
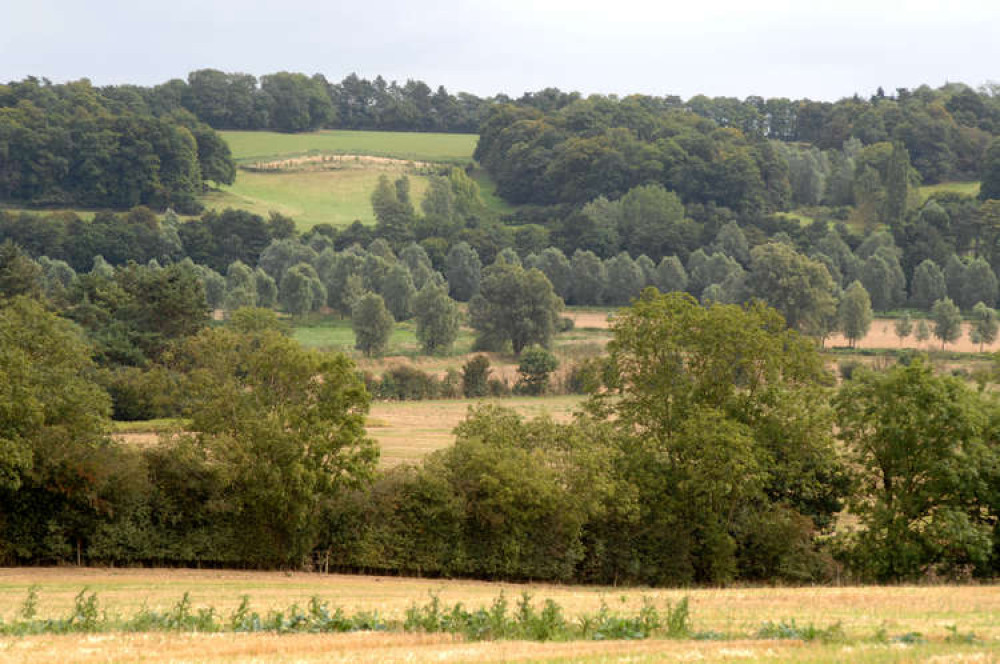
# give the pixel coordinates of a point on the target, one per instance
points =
(814, 49)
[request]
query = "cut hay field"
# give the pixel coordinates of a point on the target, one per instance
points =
(878, 624)
(881, 334)
(409, 430)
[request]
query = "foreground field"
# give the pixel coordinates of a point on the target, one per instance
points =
(872, 620)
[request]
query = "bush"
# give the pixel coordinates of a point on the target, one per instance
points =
(497, 388)
(583, 377)
(536, 366)
(847, 368)
(475, 377)
(408, 383)
(137, 394)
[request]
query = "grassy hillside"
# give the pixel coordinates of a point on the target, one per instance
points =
(328, 176)
(968, 188)
(310, 197)
(249, 146)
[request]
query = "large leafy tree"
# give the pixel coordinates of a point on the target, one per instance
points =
(53, 423)
(855, 313)
(922, 458)
(46, 397)
(372, 324)
(719, 415)
(464, 271)
(514, 306)
(947, 321)
(438, 318)
(286, 427)
(989, 188)
(797, 286)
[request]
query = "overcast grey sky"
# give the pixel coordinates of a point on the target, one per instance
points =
(803, 48)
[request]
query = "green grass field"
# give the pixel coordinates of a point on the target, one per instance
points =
(249, 146)
(335, 334)
(336, 197)
(311, 187)
(967, 188)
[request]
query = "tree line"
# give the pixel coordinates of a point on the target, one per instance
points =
(941, 249)
(713, 449)
(946, 130)
(71, 145)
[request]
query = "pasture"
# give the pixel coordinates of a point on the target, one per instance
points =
(250, 146)
(892, 624)
(328, 176)
(312, 196)
(967, 188)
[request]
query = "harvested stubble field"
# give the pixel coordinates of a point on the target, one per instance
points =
(739, 613)
(409, 430)
(881, 334)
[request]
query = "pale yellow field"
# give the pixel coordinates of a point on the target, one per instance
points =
(408, 430)
(881, 334)
(861, 611)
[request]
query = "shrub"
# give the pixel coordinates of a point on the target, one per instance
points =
(475, 377)
(536, 366)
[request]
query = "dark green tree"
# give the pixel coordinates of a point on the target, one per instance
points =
(855, 313)
(896, 185)
(625, 279)
(947, 321)
(928, 285)
(301, 291)
(696, 396)
(438, 318)
(394, 216)
(798, 287)
(514, 306)
(989, 186)
(463, 269)
(984, 325)
(372, 324)
(19, 275)
(980, 284)
(918, 446)
(399, 292)
(534, 370)
(590, 278)
(671, 275)
(49, 402)
(475, 377)
(241, 287)
(286, 426)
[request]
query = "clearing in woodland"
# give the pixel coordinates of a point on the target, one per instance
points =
(328, 176)
(872, 624)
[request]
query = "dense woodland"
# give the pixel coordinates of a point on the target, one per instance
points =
(719, 378)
